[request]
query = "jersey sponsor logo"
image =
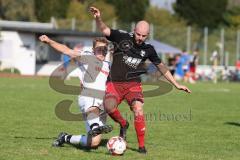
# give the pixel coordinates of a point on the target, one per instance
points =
(125, 45)
(142, 53)
(130, 61)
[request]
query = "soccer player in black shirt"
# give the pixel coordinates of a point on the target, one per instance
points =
(124, 82)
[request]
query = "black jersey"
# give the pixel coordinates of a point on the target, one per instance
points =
(129, 57)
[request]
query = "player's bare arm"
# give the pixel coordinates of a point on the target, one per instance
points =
(164, 70)
(59, 47)
(100, 24)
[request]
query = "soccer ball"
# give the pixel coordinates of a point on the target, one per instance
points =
(116, 145)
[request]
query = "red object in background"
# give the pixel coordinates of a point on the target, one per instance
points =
(193, 72)
(237, 65)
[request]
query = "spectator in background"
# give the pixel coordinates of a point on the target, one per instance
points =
(179, 74)
(237, 65)
(193, 66)
(225, 74)
(172, 64)
(185, 58)
(214, 58)
(182, 66)
(238, 70)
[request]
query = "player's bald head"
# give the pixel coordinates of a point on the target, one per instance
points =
(141, 31)
(142, 26)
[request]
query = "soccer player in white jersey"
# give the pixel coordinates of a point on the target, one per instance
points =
(93, 81)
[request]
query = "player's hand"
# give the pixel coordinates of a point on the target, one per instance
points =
(95, 12)
(44, 38)
(184, 88)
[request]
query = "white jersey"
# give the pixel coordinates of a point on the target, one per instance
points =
(93, 72)
(93, 76)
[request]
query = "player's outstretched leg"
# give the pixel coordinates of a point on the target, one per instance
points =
(100, 130)
(60, 140)
(96, 124)
(81, 140)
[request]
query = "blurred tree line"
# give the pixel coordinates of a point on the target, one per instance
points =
(201, 13)
(168, 27)
(43, 10)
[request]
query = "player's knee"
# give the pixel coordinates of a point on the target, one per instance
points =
(137, 108)
(110, 104)
(96, 141)
(138, 111)
(92, 113)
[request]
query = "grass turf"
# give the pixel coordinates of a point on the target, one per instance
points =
(202, 125)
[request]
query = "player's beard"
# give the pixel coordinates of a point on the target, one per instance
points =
(138, 42)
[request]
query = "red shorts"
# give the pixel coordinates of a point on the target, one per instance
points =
(193, 69)
(130, 91)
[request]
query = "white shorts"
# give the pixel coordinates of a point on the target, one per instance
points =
(86, 102)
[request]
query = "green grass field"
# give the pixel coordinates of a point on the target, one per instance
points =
(204, 125)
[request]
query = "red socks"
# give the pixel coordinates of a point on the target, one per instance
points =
(117, 117)
(139, 123)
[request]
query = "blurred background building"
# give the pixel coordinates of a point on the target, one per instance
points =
(176, 24)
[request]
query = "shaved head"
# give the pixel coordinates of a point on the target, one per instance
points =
(141, 32)
(143, 26)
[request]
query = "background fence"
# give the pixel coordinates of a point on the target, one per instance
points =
(225, 41)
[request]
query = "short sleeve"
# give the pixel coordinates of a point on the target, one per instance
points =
(153, 57)
(115, 36)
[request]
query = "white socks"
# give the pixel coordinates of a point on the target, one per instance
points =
(79, 139)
